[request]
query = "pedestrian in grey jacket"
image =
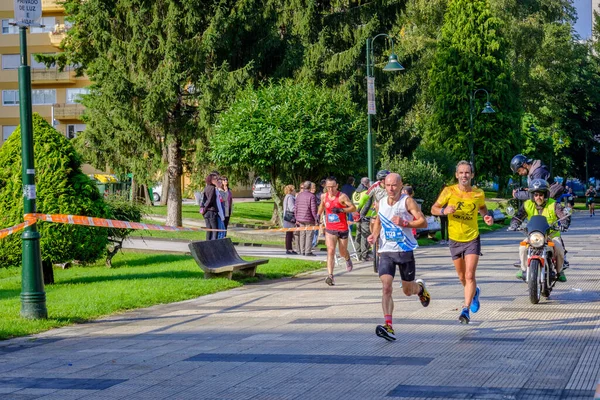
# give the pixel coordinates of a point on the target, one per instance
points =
(306, 215)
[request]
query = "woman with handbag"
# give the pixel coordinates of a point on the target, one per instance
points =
(289, 220)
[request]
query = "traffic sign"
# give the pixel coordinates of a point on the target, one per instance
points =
(28, 12)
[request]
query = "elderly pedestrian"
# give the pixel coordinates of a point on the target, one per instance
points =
(306, 215)
(289, 204)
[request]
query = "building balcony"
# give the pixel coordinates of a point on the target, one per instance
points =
(57, 35)
(50, 76)
(52, 6)
(68, 111)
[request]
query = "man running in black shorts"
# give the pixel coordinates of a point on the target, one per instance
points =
(397, 215)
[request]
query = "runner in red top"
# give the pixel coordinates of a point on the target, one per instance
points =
(336, 205)
(333, 220)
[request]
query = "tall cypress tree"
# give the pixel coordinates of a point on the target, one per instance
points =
(471, 54)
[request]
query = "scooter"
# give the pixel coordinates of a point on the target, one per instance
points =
(541, 262)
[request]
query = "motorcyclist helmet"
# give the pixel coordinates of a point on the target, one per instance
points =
(518, 161)
(382, 174)
(538, 186)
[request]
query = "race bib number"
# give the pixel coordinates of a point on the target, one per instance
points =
(333, 218)
(394, 235)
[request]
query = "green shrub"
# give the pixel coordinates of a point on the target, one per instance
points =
(424, 177)
(61, 189)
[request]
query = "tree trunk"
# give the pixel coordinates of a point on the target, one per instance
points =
(165, 190)
(48, 272)
(134, 188)
(277, 217)
(165, 179)
(174, 172)
(147, 198)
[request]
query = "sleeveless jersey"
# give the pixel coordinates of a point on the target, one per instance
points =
(333, 221)
(393, 238)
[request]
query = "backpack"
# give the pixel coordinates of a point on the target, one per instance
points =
(555, 190)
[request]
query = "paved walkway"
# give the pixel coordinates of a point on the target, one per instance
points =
(300, 339)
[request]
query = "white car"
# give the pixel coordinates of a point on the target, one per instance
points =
(261, 189)
(157, 192)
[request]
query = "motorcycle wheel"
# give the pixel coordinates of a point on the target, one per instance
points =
(533, 281)
(546, 285)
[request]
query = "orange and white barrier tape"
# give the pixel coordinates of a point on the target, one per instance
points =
(113, 223)
(14, 229)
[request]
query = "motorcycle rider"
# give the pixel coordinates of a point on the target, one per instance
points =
(533, 169)
(541, 204)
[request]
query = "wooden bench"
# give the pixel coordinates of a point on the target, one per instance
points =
(218, 259)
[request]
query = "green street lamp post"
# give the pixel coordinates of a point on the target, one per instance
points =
(487, 109)
(392, 65)
(33, 296)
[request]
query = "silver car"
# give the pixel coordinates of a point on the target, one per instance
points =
(261, 189)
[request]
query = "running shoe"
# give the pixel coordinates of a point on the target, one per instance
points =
(562, 277)
(329, 280)
(349, 265)
(464, 316)
(475, 302)
(386, 332)
(424, 295)
(521, 275)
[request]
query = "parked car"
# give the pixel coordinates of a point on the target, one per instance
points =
(157, 192)
(261, 189)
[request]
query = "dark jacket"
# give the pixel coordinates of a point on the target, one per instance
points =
(306, 207)
(210, 198)
(538, 170)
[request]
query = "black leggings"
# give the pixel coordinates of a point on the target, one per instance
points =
(289, 238)
(210, 217)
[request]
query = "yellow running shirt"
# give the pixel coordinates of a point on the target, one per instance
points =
(462, 224)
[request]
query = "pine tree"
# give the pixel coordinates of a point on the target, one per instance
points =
(471, 54)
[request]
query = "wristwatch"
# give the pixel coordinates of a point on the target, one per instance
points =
(442, 210)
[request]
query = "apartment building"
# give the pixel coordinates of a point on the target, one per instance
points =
(54, 93)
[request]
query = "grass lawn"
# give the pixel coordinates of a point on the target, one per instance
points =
(258, 212)
(137, 280)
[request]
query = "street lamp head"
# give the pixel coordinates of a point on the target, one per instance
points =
(393, 64)
(488, 108)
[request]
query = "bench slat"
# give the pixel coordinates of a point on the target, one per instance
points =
(219, 258)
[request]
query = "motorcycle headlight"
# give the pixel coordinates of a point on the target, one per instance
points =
(536, 239)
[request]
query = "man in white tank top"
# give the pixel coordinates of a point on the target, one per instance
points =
(397, 215)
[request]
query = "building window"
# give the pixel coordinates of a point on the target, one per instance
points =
(73, 130)
(7, 130)
(43, 97)
(8, 29)
(74, 95)
(10, 97)
(48, 23)
(11, 61)
(38, 65)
